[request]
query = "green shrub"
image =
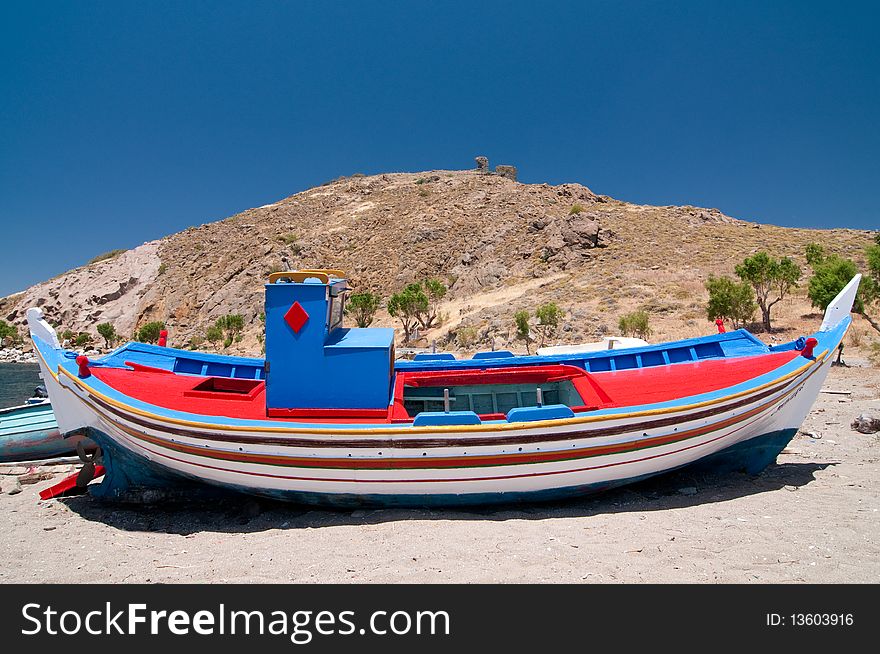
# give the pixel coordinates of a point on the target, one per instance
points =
(466, 337)
(635, 324)
(436, 291)
(548, 316)
(815, 254)
(82, 339)
(873, 255)
(829, 278)
(149, 333)
(730, 300)
(214, 335)
(196, 342)
(230, 327)
(108, 333)
(521, 320)
(7, 331)
(576, 209)
(363, 307)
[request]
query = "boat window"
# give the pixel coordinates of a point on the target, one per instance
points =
(485, 399)
(337, 308)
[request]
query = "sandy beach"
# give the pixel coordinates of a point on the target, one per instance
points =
(812, 517)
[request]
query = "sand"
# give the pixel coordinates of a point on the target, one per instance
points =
(812, 517)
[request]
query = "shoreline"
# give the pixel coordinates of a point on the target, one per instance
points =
(15, 355)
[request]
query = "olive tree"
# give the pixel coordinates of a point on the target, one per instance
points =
(523, 333)
(771, 278)
(407, 306)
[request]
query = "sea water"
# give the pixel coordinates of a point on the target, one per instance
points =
(17, 382)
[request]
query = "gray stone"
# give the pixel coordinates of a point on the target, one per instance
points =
(866, 423)
(482, 164)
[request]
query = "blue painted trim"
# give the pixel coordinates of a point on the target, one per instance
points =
(426, 418)
(494, 354)
(434, 356)
(535, 413)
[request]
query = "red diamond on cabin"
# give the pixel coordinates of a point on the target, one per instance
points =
(296, 317)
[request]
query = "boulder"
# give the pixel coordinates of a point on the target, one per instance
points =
(568, 239)
(866, 423)
(482, 164)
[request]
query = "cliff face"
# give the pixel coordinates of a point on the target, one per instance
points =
(501, 245)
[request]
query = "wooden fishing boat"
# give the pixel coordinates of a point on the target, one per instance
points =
(329, 417)
(29, 432)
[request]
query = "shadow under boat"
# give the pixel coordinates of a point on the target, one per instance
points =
(222, 511)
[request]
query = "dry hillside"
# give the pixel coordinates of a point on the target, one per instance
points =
(501, 245)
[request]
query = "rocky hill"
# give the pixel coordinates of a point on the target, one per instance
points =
(501, 245)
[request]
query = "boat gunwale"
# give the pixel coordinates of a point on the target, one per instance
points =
(18, 407)
(299, 428)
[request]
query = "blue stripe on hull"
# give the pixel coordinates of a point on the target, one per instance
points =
(130, 476)
(750, 456)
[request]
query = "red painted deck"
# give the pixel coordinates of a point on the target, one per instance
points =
(598, 390)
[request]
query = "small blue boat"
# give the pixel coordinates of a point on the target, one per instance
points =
(30, 431)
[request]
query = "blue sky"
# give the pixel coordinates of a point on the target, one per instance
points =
(121, 122)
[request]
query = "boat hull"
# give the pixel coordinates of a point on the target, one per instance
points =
(449, 466)
(136, 478)
(30, 432)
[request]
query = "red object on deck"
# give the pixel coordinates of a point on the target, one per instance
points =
(808, 347)
(719, 322)
(163, 338)
(66, 485)
(83, 362)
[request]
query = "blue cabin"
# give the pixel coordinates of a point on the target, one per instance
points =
(313, 363)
